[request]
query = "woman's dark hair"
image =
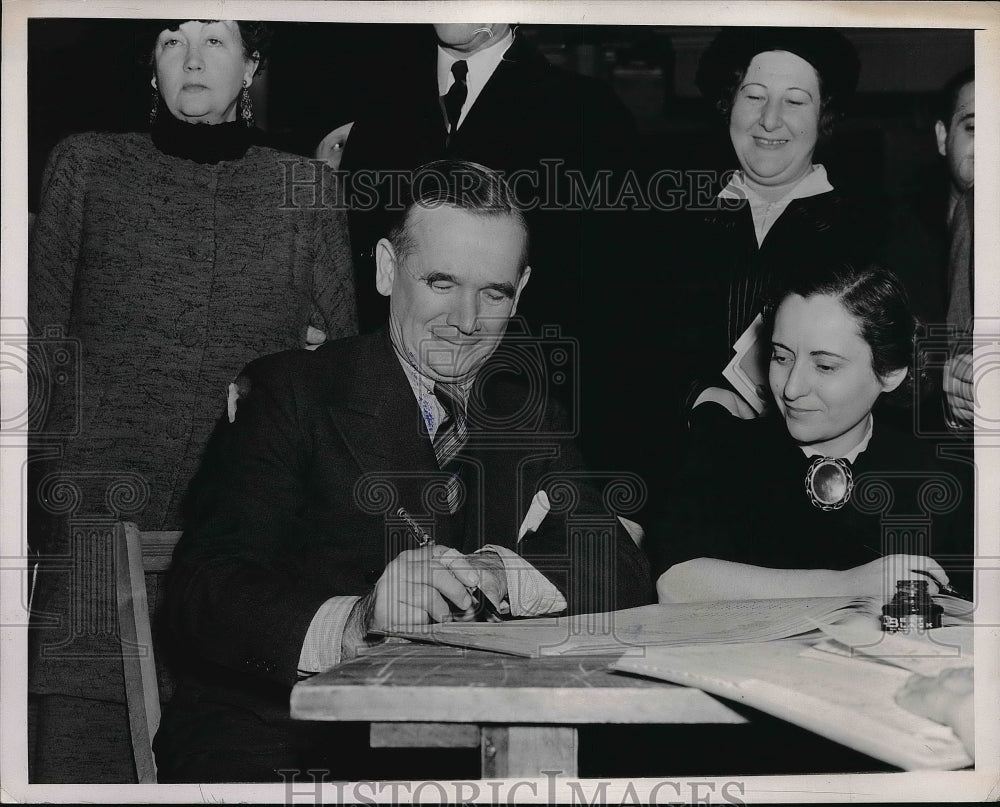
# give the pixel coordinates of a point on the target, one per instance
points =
(257, 37)
(877, 300)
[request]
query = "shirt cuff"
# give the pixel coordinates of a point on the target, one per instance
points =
(322, 645)
(529, 592)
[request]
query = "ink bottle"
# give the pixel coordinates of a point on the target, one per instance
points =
(911, 609)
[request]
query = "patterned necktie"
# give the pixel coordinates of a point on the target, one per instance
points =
(451, 437)
(454, 100)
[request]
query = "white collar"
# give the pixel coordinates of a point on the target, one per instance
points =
(765, 212)
(482, 65)
(813, 183)
(852, 455)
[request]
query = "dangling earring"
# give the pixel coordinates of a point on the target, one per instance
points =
(154, 105)
(246, 106)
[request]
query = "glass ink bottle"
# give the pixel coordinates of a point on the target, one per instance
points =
(911, 609)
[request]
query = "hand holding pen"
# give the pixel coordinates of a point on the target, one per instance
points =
(944, 588)
(482, 604)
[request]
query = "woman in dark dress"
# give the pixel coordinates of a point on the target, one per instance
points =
(779, 92)
(163, 263)
(823, 497)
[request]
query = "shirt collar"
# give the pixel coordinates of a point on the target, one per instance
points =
(482, 65)
(852, 455)
(765, 212)
(812, 184)
(423, 390)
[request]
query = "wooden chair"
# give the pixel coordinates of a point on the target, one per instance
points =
(137, 553)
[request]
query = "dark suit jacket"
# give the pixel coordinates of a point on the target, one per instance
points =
(529, 111)
(565, 128)
(297, 501)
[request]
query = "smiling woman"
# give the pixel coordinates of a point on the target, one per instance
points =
(779, 91)
(171, 259)
(823, 497)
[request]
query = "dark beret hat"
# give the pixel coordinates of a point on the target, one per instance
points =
(826, 49)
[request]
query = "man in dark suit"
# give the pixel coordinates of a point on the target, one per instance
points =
(486, 94)
(296, 555)
(512, 110)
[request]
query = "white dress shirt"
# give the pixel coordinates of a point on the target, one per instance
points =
(482, 65)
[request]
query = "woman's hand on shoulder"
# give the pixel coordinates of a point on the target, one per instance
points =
(879, 577)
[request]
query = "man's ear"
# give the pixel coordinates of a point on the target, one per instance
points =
(893, 379)
(385, 266)
(521, 283)
(941, 134)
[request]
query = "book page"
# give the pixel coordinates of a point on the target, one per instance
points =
(848, 700)
(633, 629)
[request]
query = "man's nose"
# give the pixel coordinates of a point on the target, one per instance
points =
(465, 314)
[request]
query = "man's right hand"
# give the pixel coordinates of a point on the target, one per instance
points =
(959, 389)
(416, 588)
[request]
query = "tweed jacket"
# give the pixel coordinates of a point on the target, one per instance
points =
(152, 280)
(167, 276)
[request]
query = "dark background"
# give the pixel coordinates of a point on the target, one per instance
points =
(324, 74)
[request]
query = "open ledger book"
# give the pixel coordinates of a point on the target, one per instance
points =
(632, 630)
(838, 680)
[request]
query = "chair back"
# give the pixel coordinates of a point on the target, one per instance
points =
(135, 554)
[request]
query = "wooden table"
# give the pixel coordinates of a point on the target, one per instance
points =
(522, 713)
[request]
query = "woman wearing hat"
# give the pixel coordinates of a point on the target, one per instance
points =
(169, 259)
(780, 91)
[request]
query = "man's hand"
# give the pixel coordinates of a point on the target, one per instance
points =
(421, 586)
(416, 588)
(958, 388)
(945, 699)
(314, 338)
(492, 578)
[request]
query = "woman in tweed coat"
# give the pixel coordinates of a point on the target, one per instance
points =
(160, 264)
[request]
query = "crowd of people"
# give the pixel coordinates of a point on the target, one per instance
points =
(278, 379)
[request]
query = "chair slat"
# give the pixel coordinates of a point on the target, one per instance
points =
(135, 554)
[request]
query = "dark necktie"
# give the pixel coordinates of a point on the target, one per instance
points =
(454, 100)
(450, 437)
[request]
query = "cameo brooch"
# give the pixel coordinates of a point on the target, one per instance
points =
(829, 483)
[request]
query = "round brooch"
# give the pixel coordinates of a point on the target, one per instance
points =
(829, 483)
